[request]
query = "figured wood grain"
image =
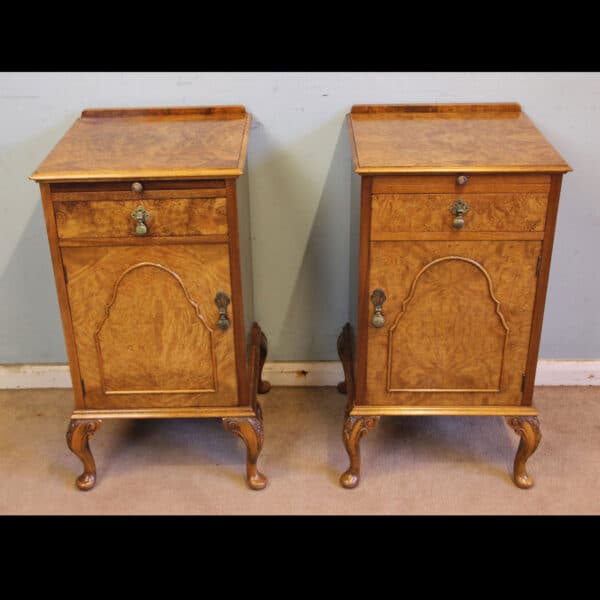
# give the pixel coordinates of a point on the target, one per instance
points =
(452, 303)
(156, 331)
(364, 266)
(542, 286)
(450, 139)
(118, 195)
(149, 144)
(237, 310)
(431, 212)
(144, 240)
(400, 236)
(180, 355)
(448, 184)
(456, 335)
(63, 298)
(168, 217)
(74, 189)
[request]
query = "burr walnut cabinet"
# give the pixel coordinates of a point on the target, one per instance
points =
(453, 215)
(148, 223)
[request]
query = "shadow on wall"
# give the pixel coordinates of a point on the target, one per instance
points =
(30, 326)
(301, 295)
(29, 313)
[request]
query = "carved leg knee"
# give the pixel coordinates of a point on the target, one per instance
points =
(250, 430)
(529, 430)
(354, 429)
(78, 436)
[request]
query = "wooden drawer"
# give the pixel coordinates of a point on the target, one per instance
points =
(167, 217)
(103, 210)
(448, 184)
(431, 212)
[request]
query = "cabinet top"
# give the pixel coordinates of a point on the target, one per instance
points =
(138, 143)
(449, 138)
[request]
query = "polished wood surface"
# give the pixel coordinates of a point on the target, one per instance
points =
(464, 306)
(63, 298)
(354, 429)
(78, 440)
(139, 143)
(448, 184)
(457, 329)
(542, 286)
(144, 318)
(236, 308)
(528, 428)
(449, 138)
(426, 213)
(169, 217)
(449, 410)
(138, 311)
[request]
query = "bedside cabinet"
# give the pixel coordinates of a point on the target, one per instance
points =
(453, 215)
(148, 223)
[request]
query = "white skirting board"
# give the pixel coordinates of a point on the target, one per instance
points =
(549, 372)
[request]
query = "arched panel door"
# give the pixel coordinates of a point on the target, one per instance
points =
(457, 317)
(145, 323)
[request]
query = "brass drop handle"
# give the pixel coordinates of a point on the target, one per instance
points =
(137, 187)
(222, 301)
(139, 215)
(459, 209)
(378, 297)
(462, 180)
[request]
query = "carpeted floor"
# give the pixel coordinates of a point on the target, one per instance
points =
(411, 465)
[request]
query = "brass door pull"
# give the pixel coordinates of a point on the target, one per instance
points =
(139, 215)
(459, 209)
(222, 301)
(378, 297)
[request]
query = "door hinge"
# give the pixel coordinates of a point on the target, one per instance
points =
(65, 274)
(539, 265)
(82, 386)
(523, 383)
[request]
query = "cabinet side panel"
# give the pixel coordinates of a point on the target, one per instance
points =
(243, 205)
(542, 287)
(354, 249)
(239, 299)
(362, 313)
(63, 297)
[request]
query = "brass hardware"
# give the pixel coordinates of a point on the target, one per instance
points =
(139, 215)
(462, 179)
(137, 187)
(459, 209)
(378, 297)
(222, 301)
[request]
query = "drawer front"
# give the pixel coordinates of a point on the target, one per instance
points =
(459, 184)
(457, 319)
(166, 216)
(485, 212)
(145, 325)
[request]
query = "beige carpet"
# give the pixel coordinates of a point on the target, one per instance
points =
(411, 465)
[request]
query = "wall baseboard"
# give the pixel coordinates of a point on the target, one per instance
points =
(317, 373)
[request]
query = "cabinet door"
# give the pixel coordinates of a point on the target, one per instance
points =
(457, 322)
(145, 319)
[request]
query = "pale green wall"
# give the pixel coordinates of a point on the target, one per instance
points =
(299, 167)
